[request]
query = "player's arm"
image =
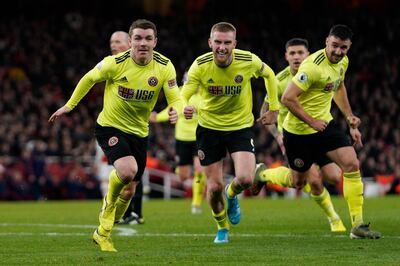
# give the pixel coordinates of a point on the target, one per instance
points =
(172, 95)
(291, 101)
(162, 116)
(260, 69)
(342, 101)
(94, 76)
(272, 128)
(190, 88)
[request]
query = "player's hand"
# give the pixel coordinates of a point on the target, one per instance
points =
(353, 121)
(153, 117)
(279, 139)
(63, 110)
(173, 115)
(356, 136)
(268, 118)
(319, 125)
(188, 112)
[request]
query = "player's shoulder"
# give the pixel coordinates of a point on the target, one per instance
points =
(121, 57)
(160, 59)
(282, 75)
(204, 58)
(317, 57)
(242, 55)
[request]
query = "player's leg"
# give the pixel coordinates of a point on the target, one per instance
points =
(211, 151)
(353, 191)
(124, 203)
(137, 203)
(339, 149)
(278, 176)
(215, 187)
(240, 145)
(322, 197)
(198, 186)
(244, 164)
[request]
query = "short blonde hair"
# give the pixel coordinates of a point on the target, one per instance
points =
(223, 27)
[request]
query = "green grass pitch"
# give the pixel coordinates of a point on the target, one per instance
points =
(271, 232)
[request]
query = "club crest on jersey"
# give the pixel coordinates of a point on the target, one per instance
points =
(239, 78)
(112, 141)
(153, 81)
(298, 162)
(201, 154)
(302, 77)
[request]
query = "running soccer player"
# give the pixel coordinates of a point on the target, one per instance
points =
(309, 129)
(136, 78)
(296, 52)
(222, 78)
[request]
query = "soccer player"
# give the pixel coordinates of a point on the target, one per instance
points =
(296, 52)
(119, 42)
(186, 150)
(135, 80)
(309, 129)
(225, 118)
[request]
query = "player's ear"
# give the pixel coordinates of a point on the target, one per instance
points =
(209, 42)
(155, 42)
(234, 44)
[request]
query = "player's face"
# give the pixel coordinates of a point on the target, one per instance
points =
(336, 48)
(222, 45)
(119, 43)
(143, 42)
(295, 55)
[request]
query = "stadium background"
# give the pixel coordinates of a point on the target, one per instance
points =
(46, 46)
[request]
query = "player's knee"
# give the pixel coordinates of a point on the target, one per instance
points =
(127, 173)
(244, 180)
(316, 188)
(351, 166)
(215, 188)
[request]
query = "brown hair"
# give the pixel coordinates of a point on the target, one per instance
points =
(143, 24)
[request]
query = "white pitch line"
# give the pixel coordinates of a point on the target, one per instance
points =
(120, 231)
(123, 231)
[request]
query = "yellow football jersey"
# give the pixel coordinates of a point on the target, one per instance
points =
(319, 79)
(226, 96)
(131, 90)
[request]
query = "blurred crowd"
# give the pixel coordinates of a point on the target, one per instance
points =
(43, 56)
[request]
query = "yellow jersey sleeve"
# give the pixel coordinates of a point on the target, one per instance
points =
(100, 72)
(306, 75)
(163, 115)
(260, 69)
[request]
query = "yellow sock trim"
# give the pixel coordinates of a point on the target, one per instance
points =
(221, 220)
(198, 186)
(324, 201)
(353, 189)
(234, 189)
(278, 176)
(115, 186)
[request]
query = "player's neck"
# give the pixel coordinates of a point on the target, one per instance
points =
(142, 61)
